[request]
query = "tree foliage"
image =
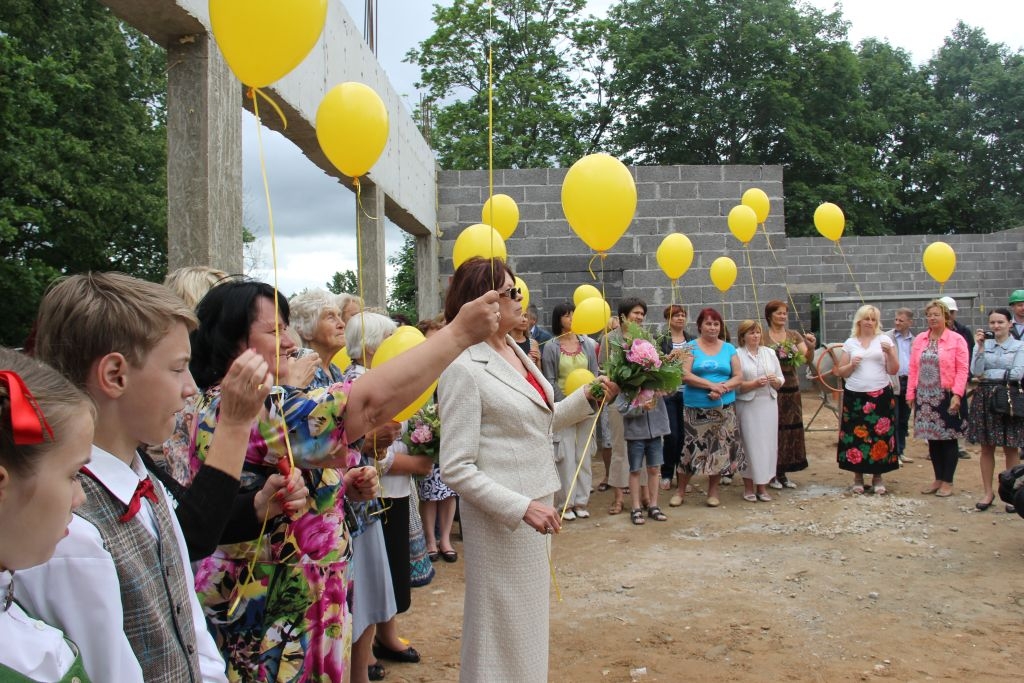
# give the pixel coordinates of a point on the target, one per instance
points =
(83, 169)
(402, 287)
(545, 109)
(343, 282)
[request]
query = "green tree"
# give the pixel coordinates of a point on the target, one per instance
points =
(546, 95)
(82, 173)
(402, 286)
(344, 282)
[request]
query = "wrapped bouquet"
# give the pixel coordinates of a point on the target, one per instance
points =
(423, 436)
(789, 353)
(639, 368)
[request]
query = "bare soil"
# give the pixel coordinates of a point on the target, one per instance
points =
(817, 585)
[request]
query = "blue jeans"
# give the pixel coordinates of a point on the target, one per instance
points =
(637, 450)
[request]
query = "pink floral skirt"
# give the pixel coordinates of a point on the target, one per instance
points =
(867, 435)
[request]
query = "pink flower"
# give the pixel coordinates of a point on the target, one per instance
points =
(422, 433)
(642, 397)
(854, 456)
(315, 534)
(882, 426)
(643, 353)
(869, 408)
(875, 394)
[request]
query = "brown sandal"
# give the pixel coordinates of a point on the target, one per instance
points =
(615, 508)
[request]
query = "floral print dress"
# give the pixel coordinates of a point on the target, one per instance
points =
(932, 421)
(278, 606)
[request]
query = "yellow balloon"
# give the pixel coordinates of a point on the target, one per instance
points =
(742, 223)
(262, 40)
(403, 339)
(478, 240)
(675, 254)
(723, 273)
(940, 261)
(599, 200)
(757, 200)
(585, 292)
(341, 359)
(501, 213)
(830, 221)
(591, 315)
(525, 290)
(580, 377)
(352, 127)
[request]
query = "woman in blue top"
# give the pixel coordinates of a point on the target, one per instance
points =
(711, 438)
(995, 360)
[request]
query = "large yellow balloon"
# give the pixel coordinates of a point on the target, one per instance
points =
(599, 200)
(580, 377)
(757, 200)
(404, 338)
(341, 359)
(940, 261)
(675, 254)
(723, 273)
(478, 240)
(585, 292)
(591, 316)
(830, 221)
(525, 290)
(352, 127)
(742, 223)
(262, 40)
(501, 213)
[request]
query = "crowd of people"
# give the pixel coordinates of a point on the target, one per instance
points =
(192, 488)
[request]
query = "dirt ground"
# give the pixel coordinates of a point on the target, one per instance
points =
(817, 585)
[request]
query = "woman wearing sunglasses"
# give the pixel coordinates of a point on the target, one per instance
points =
(497, 414)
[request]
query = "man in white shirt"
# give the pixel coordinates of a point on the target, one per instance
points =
(902, 337)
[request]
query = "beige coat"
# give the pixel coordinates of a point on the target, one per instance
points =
(497, 454)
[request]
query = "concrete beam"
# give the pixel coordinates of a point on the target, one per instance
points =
(372, 252)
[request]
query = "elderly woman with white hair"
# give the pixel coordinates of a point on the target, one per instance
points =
(316, 318)
(867, 435)
(348, 304)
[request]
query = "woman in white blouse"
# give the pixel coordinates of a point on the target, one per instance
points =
(758, 410)
(867, 436)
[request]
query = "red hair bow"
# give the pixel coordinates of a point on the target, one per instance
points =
(27, 419)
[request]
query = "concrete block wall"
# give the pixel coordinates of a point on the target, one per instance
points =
(695, 200)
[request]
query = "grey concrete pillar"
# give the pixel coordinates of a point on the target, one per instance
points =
(372, 253)
(428, 286)
(204, 157)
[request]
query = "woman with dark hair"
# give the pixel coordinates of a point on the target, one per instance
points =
(278, 606)
(998, 359)
(788, 346)
(935, 390)
(563, 354)
(497, 413)
(711, 439)
(674, 343)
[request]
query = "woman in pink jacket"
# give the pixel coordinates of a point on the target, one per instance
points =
(935, 390)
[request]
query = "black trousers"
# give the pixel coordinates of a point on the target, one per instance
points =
(902, 417)
(944, 455)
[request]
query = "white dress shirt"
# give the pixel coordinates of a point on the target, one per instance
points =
(31, 647)
(78, 589)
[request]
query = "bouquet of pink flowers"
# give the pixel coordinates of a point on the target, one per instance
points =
(423, 436)
(639, 368)
(789, 353)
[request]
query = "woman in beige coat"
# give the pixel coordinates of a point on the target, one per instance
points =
(497, 417)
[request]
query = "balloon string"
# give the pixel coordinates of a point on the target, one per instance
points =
(757, 306)
(359, 200)
(850, 271)
(253, 92)
(789, 294)
(551, 569)
(590, 265)
(490, 132)
(359, 274)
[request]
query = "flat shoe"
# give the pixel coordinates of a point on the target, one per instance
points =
(434, 556)
(569, 515)
(1010, 509)
(775, 484)
(857, 489)
(764, 498)
(712, 502)
(985, 506)
(928, 492)
(879, 489)
(582, 512)
(944, 494)
(750, 497)
(656, 514)
(449, 556)
(789, 484)
(675, 501)
(637, 516)
(603, 486)
(409, 655)
(375, 672)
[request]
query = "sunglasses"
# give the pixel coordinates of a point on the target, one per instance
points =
(514, 293)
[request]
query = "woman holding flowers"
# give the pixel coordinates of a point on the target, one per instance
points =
(792, 350)
(563, 354)
(498, 412)
(711, 439)
(867, 435)
(757, 409)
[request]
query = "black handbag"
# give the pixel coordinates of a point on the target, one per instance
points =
(1008, 397)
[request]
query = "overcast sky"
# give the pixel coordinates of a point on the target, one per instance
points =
(316, 239)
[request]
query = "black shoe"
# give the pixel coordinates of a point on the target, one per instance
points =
(1010, 509)
(375, 672)
(407, 656)
(964, 455)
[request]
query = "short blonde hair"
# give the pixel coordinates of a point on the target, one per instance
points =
(305, 309)
(84, 317)
(941, 305)
(192, 283)
(862, 313)
(745, 328)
